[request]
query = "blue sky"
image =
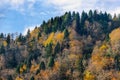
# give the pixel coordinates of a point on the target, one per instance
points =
(19, 15)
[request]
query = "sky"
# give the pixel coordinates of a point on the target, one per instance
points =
(21, 15)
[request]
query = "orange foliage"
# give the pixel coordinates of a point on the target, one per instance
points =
(34, 68)
(60, 36)
(56, 66)
(89, 76)
(18, 78)
(45, 74)
(113, 78)
(115, 35)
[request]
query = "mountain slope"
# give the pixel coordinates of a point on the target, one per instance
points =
(67, 47)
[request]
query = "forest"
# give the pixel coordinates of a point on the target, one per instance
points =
(73, 46)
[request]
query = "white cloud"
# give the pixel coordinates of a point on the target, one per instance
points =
(115, 11)
(26, 29)
(30, 28)
(65, 5)
(16, 3)
(72, 5)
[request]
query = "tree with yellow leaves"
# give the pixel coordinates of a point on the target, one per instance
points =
(18, 78)
(49, 40)
(89, 76)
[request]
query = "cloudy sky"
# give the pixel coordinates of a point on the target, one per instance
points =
(19, 15)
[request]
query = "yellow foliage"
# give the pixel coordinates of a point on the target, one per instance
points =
(34, 68)
(56, 66)
(49, 40)
(24, 67)
(54, 38)
(60, 36)
(18, 78)
(34, 33)
(5, 43)
(103, 47)
(89, 76)
(115, 35)
(21, 70)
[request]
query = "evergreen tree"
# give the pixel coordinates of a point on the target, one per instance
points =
(48, 50)
(115, 17)
(66, 33)
(57, 48)
(12, 63)
(28, 33)
(79, 26)
(46, 29)
(1, 35)
(117, 62)
(8, 39)
(81, 66)
(95, 15)
(21, 38)
(2, 49)
(39, 35)
(51, 62)
(9, 77)
(84, 17)
(90, 16)
(32, 78)
(42, 66)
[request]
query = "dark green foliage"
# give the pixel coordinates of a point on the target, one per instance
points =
(57, 48)
(42, 66)
(95, 15)
(48, 50)
(1, 35)
(8, 39)
(32, 55)
(18, 68)
(77, 20)
(32, 78)
(51, 62)
(9, 77)
(117, 62)
(28, 34)
(21, 38)
(2, 50)
(84, 17)
(29, 61)
(12, 63)
(90, 17)
(66, 33)
(39, 35)
(67, 19)
(107, 38)
(81, 67)
(45, 27)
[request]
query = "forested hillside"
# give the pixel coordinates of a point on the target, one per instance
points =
(67, 47)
